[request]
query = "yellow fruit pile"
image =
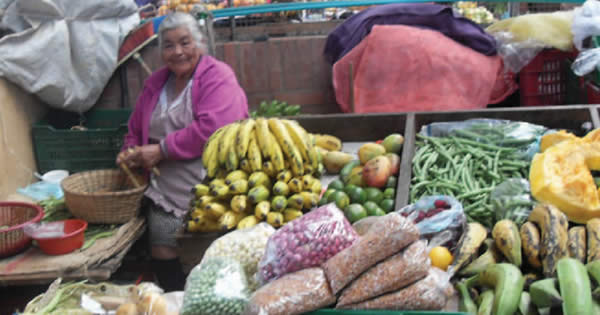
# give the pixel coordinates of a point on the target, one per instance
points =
(263, 169)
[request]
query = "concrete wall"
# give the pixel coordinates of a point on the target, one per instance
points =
(290, 69)
(18, 111)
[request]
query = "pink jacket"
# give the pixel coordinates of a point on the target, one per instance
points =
(218, 100)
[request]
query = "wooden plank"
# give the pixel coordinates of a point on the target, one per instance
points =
(402, 189)
(283, 29)
(595, 116)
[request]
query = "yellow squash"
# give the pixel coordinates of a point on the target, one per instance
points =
(560, 175)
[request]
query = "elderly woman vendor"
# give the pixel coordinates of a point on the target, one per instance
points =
(180, 106)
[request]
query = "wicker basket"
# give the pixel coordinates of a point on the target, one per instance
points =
(15, 215)
(102, 196)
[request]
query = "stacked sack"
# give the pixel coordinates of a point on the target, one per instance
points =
(386, 268)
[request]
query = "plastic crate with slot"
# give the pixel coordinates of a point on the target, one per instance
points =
(544, 80)
(58, 146)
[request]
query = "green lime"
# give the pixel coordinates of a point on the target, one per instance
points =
(327, 194)
(374, 194)
(389, 193)
(349, 188)
(392, 182)
(378, 212)
(341, 199)
(336, 184)
(355, 212)
(370, 206)
(358, 195)
(387, 205)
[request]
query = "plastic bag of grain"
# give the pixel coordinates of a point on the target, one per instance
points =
(247, 246)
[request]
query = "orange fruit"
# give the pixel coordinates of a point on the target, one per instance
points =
(440, 257)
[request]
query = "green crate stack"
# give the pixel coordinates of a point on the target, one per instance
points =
(57, 146)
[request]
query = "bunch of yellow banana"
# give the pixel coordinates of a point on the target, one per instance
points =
(240, 199)
(269, 145)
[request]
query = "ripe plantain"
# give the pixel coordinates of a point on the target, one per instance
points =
(242, 139)
(245, 166)
(577, 243)
(296, 185)
(254, 155)
(200, 190)
(468, 246)
(230, 219)
(328, 142)
(215, 210)
(287, 145)
(262, 137)
(259, 179)
(310, 199)
(235, 175)
(281, 189)
(291, 214)
(275, 219)
(262, 209)
(209, 154)
(258, 194)
(232, 163)
(296, 201)
(269, 169)
(300, 138)
(491, 256)
(239, 203)
(530, 241)
(226, 142)
(276, 155)
(220, 192)
(238, 187)
(553, 225)
(278, 203)
(508, 241)
(284, 176)
(247, 222)
(593, 239)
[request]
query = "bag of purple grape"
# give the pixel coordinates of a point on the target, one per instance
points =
(306, 242)
(433, 214)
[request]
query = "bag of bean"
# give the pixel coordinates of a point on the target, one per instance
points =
(393, 273)
(427, 294)
(217, 286)
(306, 242)
(386, 237)
(247, 246)
(295, 293)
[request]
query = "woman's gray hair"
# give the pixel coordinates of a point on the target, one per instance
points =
(180, 19)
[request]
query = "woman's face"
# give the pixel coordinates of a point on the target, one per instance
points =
(180, 52)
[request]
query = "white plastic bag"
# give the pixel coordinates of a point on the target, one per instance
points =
(67, 51)
(247, 246)
(586, 22)
(586, 62)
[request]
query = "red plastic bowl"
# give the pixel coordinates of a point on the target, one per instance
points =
(73, 239)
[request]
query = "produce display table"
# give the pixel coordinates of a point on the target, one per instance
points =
(359, 128)
(97, 262)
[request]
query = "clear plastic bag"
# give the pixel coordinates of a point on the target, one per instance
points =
(306, 242)
(586, 22)
(586, 62)
(429, 293)
(433, 214)
(247, 246)
(295, 293)
(525, 137)
(386, 237)
(512, 200)
(516, 55)
(392, 274)
(45, 230)
(217, 286)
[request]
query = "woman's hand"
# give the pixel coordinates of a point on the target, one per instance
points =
(146, 156)
(150, 155)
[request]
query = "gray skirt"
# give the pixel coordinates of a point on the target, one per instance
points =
(162, 226)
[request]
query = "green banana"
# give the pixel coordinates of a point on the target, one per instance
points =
(544, 294)
(593, 268)
(346, 170)
(486, 302)
(526, 307)
(507, 281)
(466, 304)
(575, 287)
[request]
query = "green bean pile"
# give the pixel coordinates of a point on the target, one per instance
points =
(466, 166)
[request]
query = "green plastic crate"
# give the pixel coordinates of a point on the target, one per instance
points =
(57, 146)
(329, 311)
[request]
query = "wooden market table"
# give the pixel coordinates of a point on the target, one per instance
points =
(353, 128)
(98, 262)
